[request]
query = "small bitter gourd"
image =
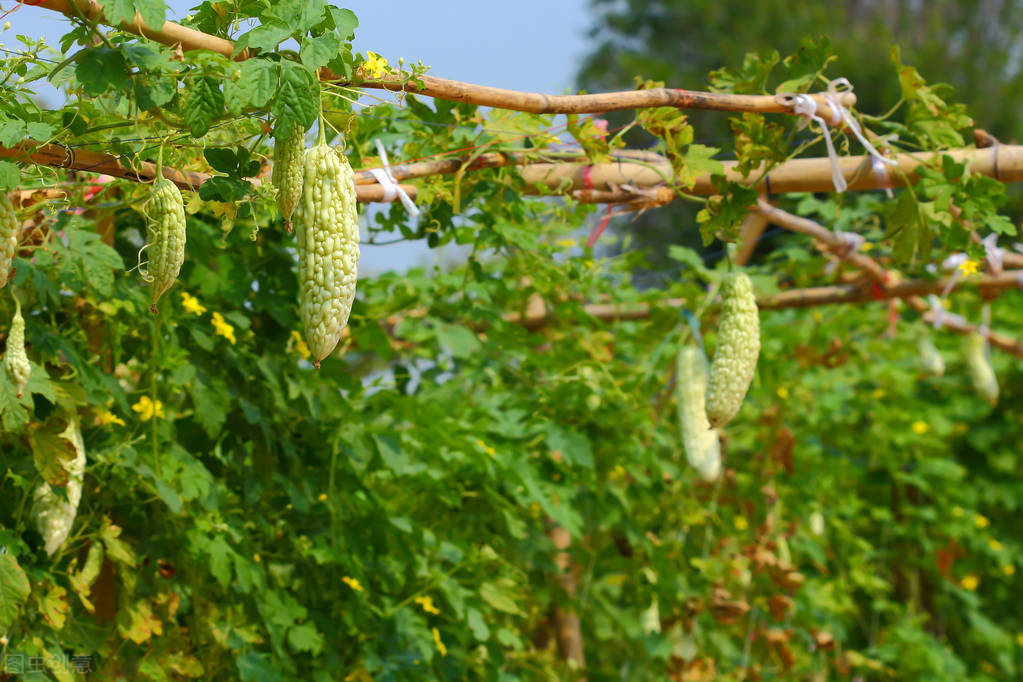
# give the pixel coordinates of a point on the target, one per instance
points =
(165, 251)
(981, 373)
(53, 515)
(327, 235)
(287, 173)
(735, 358)
(703, 449)
(10, 227)
(930, 356)
(15, 359)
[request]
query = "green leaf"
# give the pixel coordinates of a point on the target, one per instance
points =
(212, 402)
(254, 667)
(572, 445)
(52, 451)
(154, 12)
(344, 20)
(305, 637)
(253, 87)
(10, 175)
(317, 52)
(14, 589)
(297, 100)
(264, 37)
(498, 597)
(101, 68)
(204, 104)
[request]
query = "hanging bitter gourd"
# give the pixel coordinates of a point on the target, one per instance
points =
(165, 251)
(327, 235)
(10, 227)
(735, 358)
(930, 356)
(54, 515)
(981, 373)
(15, 359)
(703, 449)
(287, 173)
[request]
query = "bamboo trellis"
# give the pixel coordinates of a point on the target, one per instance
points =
(635, 178)
(190, 39)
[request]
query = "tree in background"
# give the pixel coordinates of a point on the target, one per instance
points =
(974, 46)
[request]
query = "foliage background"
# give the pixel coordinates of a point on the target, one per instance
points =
(389, 516)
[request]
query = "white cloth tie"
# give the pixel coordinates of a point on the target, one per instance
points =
(392, 189)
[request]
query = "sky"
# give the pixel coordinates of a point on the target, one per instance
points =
(533, 45)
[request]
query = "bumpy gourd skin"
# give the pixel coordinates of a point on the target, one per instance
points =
(15, 360)
(703, 449)
(981, 373)
(327, 234)
(166, 251)
(930, 356)
(287, 174)
(9, 228)
(735, 358)
(54, 516)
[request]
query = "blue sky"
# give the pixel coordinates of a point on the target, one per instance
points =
(530, 45)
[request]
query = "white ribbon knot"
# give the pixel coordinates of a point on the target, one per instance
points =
(392, 189)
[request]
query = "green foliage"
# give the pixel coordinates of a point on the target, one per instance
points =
(393, 515)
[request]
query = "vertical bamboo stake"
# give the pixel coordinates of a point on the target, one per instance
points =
(567, 631)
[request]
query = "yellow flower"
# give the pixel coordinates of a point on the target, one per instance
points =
(783, 393)
(104, 418)
(995, 545)
(440, 645)
(981, 521)
(878, 393)
(191, 304)
(299, 344)
(566, 243)
(969, 582)
(741, 523)
(352, 583)
(375, 65)
(223, 328)
(867, 246)
(919, 427)
(1019, 638)
(147, 409)
(322, 497)
(968, 267)
(1009, 570)
(257, 558)
(486, 448)
(427, 604)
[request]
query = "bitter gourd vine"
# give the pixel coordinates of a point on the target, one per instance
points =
(981, 373)
(165, 251)
(15, 359)
(735, 358)
(287, 173)
(930, 356)
(9, 229)
(327, 234)
(703, 449)
(52, 514)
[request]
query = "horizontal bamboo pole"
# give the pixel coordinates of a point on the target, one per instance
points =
(422, 169)
(482, 95)
(876, 273)
(58, 156)
(1004, 163)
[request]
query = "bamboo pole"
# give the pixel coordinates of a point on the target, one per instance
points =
(59, 156)
(482, 95)
(449, 166)
(1004, 163)
(876, 273)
